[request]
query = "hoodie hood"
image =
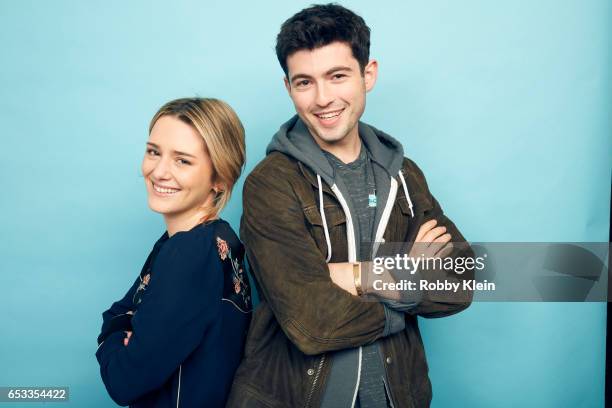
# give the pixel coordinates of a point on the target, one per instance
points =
(294, 139)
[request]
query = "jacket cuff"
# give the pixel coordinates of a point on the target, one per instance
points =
(121, 322)
(402, 307)
(394, 321)
(109, 346)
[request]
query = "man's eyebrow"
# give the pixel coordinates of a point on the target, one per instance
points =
(328, 72)
(176, 152)
(300, 76)
(338, 68)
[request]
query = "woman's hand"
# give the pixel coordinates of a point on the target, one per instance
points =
(126, 340)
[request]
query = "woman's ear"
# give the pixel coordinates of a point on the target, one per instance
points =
(218, 187)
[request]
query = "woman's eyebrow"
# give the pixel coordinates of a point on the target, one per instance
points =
(176, 152)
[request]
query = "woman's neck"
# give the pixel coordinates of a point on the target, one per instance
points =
(182, 222)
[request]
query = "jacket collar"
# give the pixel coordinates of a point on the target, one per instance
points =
(311, 177)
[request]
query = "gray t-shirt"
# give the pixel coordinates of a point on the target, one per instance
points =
(358, 177)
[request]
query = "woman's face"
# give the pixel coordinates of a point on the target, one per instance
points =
(177, 169)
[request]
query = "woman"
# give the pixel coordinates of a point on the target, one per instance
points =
(176, 337)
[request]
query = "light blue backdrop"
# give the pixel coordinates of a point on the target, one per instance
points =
(506, 106)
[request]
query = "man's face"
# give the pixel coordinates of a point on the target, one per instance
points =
(328, 90)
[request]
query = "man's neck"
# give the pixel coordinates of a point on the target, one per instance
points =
(346, 150)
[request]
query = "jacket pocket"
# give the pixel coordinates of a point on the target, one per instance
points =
(336, 226)
(245, 396)
(333, 215)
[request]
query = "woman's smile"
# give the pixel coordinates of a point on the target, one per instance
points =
(164, 191)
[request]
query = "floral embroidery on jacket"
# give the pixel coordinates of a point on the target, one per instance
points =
(239, 279)
(144, 282)
(223, 248)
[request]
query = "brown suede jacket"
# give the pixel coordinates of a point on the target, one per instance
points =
(302, 315)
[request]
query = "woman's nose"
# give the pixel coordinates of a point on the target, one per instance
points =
(162, 169)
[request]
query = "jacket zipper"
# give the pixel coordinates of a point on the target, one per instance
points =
(379, 239)
(314, 382)
(388, 391)
(352, 257)
(352, 249)
(178, 392)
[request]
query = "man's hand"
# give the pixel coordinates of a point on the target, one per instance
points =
(341, 273)
(431, 241)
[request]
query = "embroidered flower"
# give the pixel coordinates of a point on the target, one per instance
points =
(144, 282)
(236, 285)
(146, 279)
(223, 248)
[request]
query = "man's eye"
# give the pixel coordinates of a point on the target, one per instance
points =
(338, 76)
(152, 152)
(303, 82)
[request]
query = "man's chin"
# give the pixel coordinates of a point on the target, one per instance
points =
(326, 135)
(330, 137)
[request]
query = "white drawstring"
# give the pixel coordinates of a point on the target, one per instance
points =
(406, 193)
(322, 211)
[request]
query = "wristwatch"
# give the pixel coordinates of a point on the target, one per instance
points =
(357, 277)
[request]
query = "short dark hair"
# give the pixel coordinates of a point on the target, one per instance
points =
(322, 24)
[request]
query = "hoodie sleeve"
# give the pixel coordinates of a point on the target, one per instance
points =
(182, 300)
(315, 314)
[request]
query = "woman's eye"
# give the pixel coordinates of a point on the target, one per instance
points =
(183, 162)
(152, 152)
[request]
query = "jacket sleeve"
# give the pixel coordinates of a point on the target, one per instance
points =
(182, 300)
(440, 304)
(116, 318)
(123, 305)
(315, 314)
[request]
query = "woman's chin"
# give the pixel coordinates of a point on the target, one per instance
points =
(161, 208)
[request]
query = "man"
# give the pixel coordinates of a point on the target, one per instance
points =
(329, 186)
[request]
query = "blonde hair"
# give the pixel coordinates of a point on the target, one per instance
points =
(223, 136)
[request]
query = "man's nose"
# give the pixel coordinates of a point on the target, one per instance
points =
(324, 95)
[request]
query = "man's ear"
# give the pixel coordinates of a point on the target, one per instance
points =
(370, 73)
(287, 85)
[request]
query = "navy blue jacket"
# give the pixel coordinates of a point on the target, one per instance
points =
(191, 308)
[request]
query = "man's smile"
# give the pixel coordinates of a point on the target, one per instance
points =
(329, 117)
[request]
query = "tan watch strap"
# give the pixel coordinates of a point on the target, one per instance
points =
(357, 277)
